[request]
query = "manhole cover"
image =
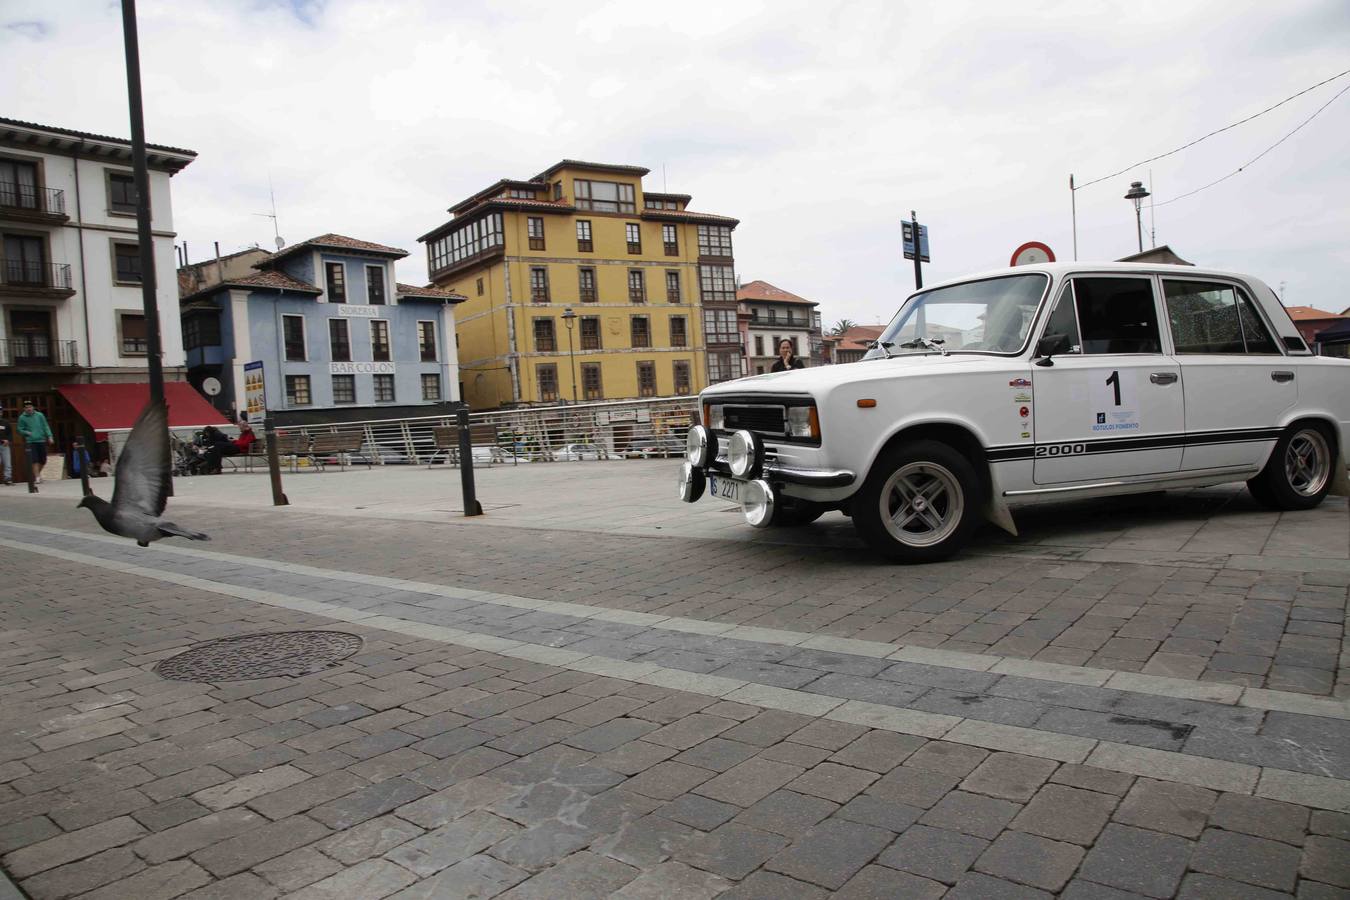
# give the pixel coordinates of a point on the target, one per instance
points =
(260, 656)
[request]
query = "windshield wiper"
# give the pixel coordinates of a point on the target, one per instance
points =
(925, 344)
(884, 347)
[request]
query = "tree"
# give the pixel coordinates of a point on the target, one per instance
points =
(842, 325)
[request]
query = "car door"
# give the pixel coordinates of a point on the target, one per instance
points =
(1237, 381)
(1108, 401)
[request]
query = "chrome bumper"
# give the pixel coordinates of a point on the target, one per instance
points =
(820, 478)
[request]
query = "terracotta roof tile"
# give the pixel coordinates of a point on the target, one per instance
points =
(684, 215)
(270, 279)
(408, 290)
(593, 166)
(859, 337)
(767, 293)
(1300, 313)
(330, 242)
(71, 132)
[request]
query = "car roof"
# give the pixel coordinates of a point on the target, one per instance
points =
(1057, 269)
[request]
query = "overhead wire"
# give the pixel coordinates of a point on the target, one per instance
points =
(1259, 155)
(1220, 131)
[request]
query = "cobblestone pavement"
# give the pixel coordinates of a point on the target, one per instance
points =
(543, 713)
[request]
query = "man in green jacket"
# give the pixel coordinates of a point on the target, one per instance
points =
(37, 434)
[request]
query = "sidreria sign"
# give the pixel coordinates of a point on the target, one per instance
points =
(361, 368)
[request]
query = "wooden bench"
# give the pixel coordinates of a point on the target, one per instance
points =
(445, 441)
(338, 445)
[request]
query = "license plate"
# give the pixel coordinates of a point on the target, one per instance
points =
(724, 488)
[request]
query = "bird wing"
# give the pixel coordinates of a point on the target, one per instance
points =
(143, 467)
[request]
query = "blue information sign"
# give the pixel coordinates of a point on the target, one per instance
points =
(908, 230)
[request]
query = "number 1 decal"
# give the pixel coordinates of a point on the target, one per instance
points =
(1114, 381)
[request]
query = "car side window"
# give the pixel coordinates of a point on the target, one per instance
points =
(1116, 315)
(1061, 330)
(1209, 317)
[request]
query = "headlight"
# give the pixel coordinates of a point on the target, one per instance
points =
(714, 416)
(700, 447)
(803, 422)
(692, 482)
(757, 503)
(745, 454)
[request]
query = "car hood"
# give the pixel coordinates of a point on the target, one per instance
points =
(821, 379)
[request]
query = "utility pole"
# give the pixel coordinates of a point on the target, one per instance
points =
(153, 351)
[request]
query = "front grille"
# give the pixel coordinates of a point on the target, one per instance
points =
(762, 419)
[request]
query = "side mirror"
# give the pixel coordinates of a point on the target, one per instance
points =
(1049, 345)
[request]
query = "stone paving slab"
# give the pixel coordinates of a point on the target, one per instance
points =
(734, 799)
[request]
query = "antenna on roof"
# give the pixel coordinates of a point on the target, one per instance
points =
(276, 236)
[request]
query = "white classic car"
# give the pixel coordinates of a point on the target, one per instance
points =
(1079, 380)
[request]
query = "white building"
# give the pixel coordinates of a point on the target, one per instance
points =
(771, 315)
(70, 281)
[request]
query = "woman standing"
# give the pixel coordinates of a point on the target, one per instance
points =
(786, 358)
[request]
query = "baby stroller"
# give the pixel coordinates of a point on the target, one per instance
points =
(189, 457)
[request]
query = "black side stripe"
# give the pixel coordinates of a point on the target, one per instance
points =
(1009, 452)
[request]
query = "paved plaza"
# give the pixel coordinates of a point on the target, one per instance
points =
(595, 690)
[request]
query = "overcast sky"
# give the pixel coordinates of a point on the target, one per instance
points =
(819, 126)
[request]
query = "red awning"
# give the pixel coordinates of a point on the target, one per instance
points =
(108, 407)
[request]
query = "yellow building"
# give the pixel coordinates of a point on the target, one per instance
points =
(582, 286)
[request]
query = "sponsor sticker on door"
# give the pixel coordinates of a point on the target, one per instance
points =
(1114, 400)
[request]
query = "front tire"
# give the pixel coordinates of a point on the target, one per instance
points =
(1299, 472)
(920, 503)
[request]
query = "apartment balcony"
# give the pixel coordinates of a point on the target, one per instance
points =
(25, 278)
(26, 203)
(38, 352)
(779, 321)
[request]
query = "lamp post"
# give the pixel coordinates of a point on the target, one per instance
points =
(1137, 194)
(569, 319)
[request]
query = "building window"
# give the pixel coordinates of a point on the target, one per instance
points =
(586, 285)
(539, 284)
(426, 341)
(431, 386)
(126, 262)
(719, 326)
(717, 284)
(646, 372)
(133, 334)
(714, 240)
(634, 234)
(19, 186)
(547, 378)
(465, 242)
(681, 372)
(293, 337)
(201, 330)
(584, 244)
(637, 286)
(679, 331)
(339, 340)
(649, 203)
(591, 388)
(723, 367)
(590, 332)
(297, 390)
(384, 388)
(344, 389)
(375, 284)
(557, 190)
(544, 339)
(672, 286)
(122, 196)
(480, 287)
(336, 276)
(604, 196)
(669, 240)
(379, 340)
(640, 331)
(796, 349)
(535, 225)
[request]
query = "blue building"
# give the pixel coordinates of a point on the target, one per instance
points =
(338, 337)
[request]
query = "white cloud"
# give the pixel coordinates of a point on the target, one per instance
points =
(819, 126)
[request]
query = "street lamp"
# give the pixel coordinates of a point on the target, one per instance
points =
(1137, 194)
(569, 318)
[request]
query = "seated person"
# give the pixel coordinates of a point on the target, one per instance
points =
(219, 445)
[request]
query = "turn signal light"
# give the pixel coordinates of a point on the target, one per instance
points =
(866, 404)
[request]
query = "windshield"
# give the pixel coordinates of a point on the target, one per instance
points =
(990, 316)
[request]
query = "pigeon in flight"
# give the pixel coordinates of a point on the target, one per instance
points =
(142, 484)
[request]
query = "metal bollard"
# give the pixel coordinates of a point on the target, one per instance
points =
(471, 504)
(274, 462)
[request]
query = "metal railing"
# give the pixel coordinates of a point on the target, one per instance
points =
(37, 350)
(14, 195)
(29, 274)
(568, 433)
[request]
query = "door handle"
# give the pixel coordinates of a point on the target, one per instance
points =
(1163, 377)
(1282, 377)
